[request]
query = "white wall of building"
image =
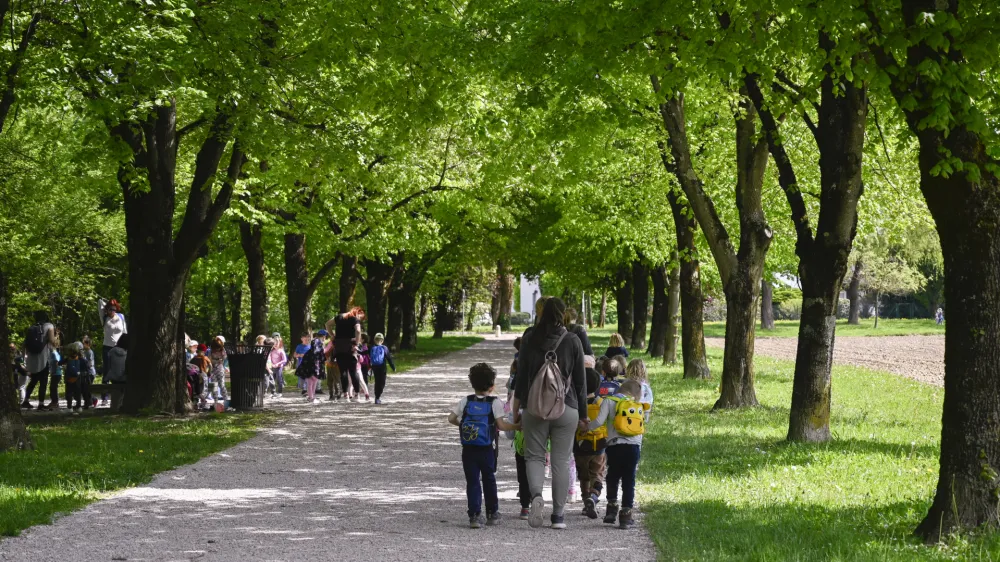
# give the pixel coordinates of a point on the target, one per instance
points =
(530, 291)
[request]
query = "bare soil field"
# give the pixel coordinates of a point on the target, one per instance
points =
(920, 358)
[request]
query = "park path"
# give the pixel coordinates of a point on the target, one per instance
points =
(333, 481)
(920, 358)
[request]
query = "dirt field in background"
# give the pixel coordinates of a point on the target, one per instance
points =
(920, 358)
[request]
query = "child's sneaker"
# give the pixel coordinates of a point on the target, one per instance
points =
(492, 519)
(625, 520)
(589, 508)
(611, 514)
(476, 521)
(558, 521)
(535, 515)
(525, 512)
(573, 496)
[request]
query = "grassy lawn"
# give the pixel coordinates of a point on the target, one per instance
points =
(726, 486)
(76, 460)
(428, 348)
(891, 327)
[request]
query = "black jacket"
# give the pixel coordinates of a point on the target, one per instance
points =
(581, 332)
(569, 356)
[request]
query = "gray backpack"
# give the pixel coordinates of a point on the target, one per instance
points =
(547, 395)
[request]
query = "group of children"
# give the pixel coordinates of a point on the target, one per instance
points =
(316, 360)
(619, 402)
(72, 365)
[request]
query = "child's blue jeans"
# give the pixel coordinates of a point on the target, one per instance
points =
(623, 460)
(480, 462)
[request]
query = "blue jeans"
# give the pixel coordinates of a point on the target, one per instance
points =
(623, 460)
(480, 462)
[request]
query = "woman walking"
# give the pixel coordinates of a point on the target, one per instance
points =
(549, 335)
(347, 337)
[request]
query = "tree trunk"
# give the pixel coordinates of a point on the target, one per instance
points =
(640, 300)
(442, 317)
(251, 238)
(623, 296)
(766, 305)
(506, 291)
(297, 285)
(348, 282)
(854, 295)
(692, 302)
(235, 321)
(842, 114)
(14, 435)
(673, 306)
(603, 318)
(878, 305)
(658, 330)
(742, 289)
(470, 316)
(424, 308)
(159, 263)
(408, 303)
(394, 324)
(376, 282)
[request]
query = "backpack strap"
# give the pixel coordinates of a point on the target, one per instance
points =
(552, 351)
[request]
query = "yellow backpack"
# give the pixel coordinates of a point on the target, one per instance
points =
(592, 438)
(630, 417)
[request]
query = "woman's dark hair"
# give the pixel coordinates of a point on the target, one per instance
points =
(552, 315)
(123, 342)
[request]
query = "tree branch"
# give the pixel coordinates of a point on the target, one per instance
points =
(322, 273)
(10, 91)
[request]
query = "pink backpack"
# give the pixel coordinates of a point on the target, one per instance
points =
(547, 395)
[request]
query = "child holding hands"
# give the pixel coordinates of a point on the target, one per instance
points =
(479, 416)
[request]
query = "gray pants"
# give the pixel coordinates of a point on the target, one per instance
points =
(537, 434)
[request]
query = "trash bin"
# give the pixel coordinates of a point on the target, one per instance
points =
(247, 375)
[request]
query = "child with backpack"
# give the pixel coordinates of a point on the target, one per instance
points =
(625, 420)
(379, 356)
(310, 368)
(77, 385)
(588, 450)
(610, 383)
(364, 361)
(479, 416)
(636, 371)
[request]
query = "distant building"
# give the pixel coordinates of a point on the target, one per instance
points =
(530, 292)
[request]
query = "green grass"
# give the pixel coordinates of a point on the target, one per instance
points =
(76, 460)
(890, 327)
(726, 486)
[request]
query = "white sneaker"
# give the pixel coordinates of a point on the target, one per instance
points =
(573, 496)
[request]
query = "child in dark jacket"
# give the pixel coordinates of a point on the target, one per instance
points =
(616, 346)
(379, 355)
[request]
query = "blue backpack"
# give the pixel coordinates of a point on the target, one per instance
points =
(608, 388)
(73, 370)
(377, 354)
(478, 426)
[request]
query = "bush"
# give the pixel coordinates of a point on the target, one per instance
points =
(520, 319)
(788, 310)
(785, 294)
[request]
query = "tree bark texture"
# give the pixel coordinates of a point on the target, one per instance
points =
(159, 261)
(236, 308)
(506, 291)
(14, 435)
(251, 238)
(625, 302)
(673, 307)
(603, 318)
(348, 282)
(966, 211)
(854, 295)
(691, 299)
(394, 322)
(378, 275)
(297, 285)
(766, 305)
(658, 330)
(640, 306)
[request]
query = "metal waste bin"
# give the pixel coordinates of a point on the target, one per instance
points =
(247, 375)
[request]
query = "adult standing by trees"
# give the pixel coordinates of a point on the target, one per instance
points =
(578, 329)
(550, 335)
(114, 327)
(346, 328)
(38, 345)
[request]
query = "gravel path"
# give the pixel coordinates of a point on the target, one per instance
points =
(920, 358)
(335, 481)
